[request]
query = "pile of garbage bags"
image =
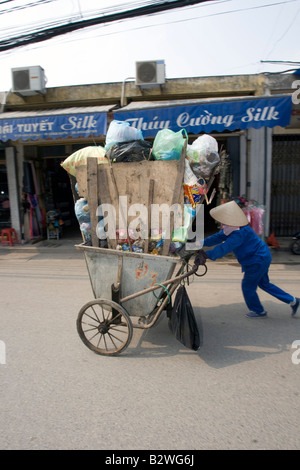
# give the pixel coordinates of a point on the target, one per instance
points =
(125, 143)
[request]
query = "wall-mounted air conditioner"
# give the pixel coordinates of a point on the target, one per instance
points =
(150, 73)
(28, 81)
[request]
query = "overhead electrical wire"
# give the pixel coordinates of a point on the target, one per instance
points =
(45, 34)
(24, 7)
(59, 27)
(34, 27)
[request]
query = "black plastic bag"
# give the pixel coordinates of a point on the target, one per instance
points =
(132, 151)
(182, 321)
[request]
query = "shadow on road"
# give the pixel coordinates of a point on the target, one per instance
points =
(228, 337)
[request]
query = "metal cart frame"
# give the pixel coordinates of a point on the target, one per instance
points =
(105, 324)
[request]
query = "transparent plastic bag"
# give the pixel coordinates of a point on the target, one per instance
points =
(82, 211)
(203, 155)
(121, 131)
(189, 176)
(168, 144)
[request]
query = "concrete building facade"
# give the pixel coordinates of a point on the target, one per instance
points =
(250, 149)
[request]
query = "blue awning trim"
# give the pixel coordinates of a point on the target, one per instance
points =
(52, 126)
(211, 117)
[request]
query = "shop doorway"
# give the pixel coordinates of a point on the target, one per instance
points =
(4, 197)
(285, 188)
(48, 202)
(58, 195)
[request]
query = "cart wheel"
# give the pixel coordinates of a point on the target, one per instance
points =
(104, 326)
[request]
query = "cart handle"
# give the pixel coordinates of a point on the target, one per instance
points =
(162, 284)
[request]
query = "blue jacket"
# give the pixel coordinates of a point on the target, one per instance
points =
(248, 248)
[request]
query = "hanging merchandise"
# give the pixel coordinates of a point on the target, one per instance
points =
(80, 158)
(168, 144)
(203, 155)
(28, 184)
(225, 178)
(254, 213)
(121, 131)
(34, 231)
(36, 219)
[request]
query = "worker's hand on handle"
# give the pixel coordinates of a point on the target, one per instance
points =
(200, 258)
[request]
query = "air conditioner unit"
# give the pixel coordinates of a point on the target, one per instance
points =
(151, 73)
(28, 81)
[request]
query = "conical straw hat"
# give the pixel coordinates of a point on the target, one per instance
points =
(229, 214)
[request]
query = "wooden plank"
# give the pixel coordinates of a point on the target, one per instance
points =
(115, 199)
(132, 180)
(176, 197)
(92, 197)
(150, 200)
(108, 195)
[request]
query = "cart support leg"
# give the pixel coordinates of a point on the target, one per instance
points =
(115, 297)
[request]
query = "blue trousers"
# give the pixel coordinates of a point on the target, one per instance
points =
(256, 276)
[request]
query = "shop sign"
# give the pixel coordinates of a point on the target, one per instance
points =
(211, 117)
(53, 126)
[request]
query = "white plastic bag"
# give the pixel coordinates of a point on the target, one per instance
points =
(189, 177)
(121, 131)
(203, 152)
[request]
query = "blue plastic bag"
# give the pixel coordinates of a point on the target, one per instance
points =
(121, 131)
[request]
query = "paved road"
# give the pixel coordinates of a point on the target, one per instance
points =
(239, 391)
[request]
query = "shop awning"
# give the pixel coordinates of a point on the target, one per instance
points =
(54, 123)
(196, 116)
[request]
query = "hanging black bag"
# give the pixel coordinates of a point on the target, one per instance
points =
(182, 321)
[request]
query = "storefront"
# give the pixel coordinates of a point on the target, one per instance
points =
(36, 142)
(4, 199)
(34, 145)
